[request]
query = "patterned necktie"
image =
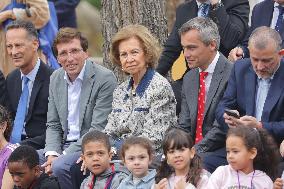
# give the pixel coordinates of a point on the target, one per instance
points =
(204, 8)
(21, 113)
(280, 21)
(201, 106)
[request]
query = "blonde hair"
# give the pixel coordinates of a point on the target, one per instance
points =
(149, 43)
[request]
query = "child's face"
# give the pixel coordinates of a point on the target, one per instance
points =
(238, 156)
(180, 159)
(22, 175)
(96, 157)
(137, 160)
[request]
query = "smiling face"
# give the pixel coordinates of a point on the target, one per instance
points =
(132, 56)
(137, 160)
(22, 175)
(71, 57)
(22, 49)
(96, 157)
(197, 54)
(180, 159)
(238, 156)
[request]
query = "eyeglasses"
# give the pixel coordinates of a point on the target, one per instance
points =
(72, 52)
(132, 53)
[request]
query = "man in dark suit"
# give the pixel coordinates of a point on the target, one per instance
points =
(255, 88)
(22, 45)
(265, 13)
(200, 40)
(2, 89)
(231, 17)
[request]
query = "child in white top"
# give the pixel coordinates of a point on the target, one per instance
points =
(181, 167)
(253, 158)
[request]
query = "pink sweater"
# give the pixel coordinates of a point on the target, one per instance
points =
(225, 177)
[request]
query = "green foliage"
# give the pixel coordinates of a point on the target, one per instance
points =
(96, 3)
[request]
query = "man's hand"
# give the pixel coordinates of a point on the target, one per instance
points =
(83, 166)
(213, 2)
(236, 54)
(163, 184)
(8, 14)
(278, 184)
(248, 121)
(282, 148)
(230, 120)
(48, 164)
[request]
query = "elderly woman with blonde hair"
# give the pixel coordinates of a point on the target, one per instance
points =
(144, 105)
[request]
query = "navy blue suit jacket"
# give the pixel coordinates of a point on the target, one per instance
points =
(36, 117)
(262, 15)
(241, 94)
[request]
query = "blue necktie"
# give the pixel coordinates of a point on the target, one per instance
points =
(21, 114)
(280, 21)
(204, 8)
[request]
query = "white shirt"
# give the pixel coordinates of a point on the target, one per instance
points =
(210, 71)
(74, 91)
(275, 16)
(31, 76)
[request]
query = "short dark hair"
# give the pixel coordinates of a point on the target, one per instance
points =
(66, 35)
(95, 136)
(143, 142)
(5, 118)
(23, 24)
(26, 154)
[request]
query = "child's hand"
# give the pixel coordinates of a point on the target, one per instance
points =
(181, 184)
(278, 184)
(83, 166)
(162, 184)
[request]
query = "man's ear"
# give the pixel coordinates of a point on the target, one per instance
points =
(281, 52)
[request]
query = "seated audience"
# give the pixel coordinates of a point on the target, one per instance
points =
(137, 155)
(25, 170)
(181, 167)
(144, 105)
(203, 87)
(27, 86)
(96, 154)
(80, 97)
(6, 148)
(253, 157)
(267, 13)
(255, 87)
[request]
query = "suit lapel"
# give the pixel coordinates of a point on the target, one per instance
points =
(86, 89)
(36, 87)
(18, 88)
(250, 90)
(215, 82)
(192, 99)
(274, 93)
(62, 92)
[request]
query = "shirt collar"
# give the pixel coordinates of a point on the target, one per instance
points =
(32, 75)
(80, 76)
(212, 66)
(276, 5)
(199, 3)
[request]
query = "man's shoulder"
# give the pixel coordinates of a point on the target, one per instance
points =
(13, 74)
(92, 68)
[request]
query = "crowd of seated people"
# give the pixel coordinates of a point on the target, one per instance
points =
(76, 127)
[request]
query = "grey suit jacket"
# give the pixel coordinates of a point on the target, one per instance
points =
(95, 105)
(213, 137)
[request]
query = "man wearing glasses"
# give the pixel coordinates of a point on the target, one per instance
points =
(80, 98)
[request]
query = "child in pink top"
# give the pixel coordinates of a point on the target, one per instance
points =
(253, 158)
(182, 166)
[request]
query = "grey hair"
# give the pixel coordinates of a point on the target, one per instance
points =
(26, 25)
(207, 29)
(264, 35)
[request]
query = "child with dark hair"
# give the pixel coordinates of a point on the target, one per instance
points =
(253, 157)
(6, 148)
(181, 167)
(96, 155)
(137, 155)
(25, 170)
